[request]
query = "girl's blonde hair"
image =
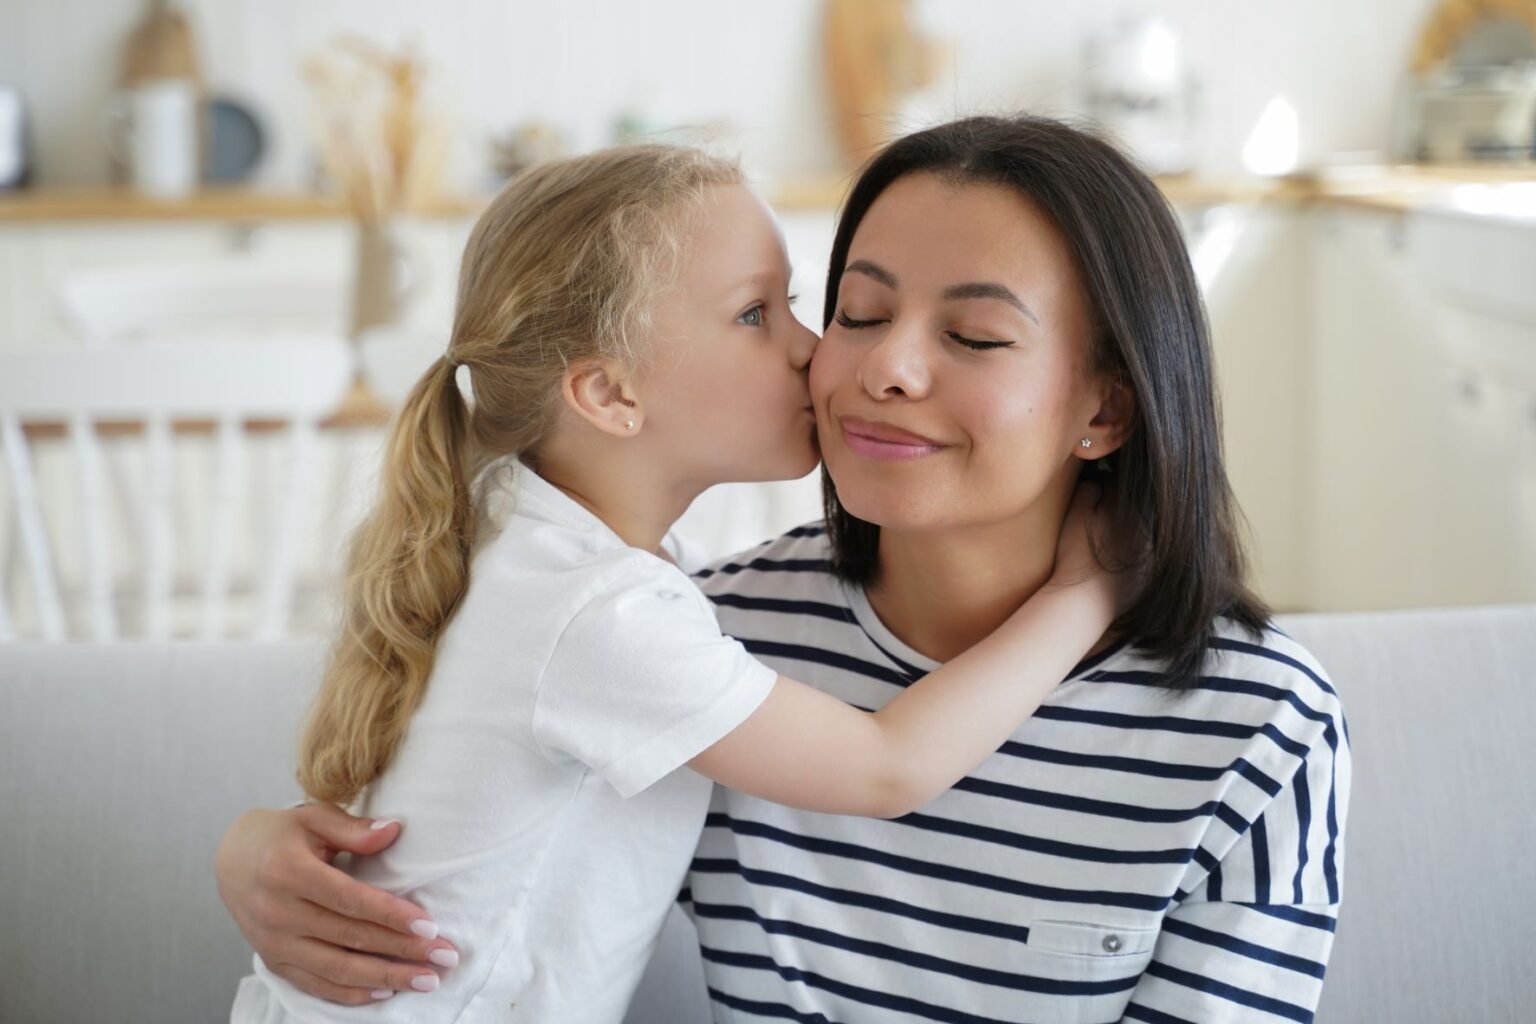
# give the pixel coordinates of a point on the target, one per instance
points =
(562, 266)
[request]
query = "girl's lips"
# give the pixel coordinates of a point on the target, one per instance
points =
(874, 441)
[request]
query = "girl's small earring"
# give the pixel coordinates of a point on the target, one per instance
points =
(629, 424)
(1086, 443)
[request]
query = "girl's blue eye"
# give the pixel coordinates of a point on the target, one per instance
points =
(752, 317)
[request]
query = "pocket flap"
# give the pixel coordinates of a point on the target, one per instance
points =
(1086, 938)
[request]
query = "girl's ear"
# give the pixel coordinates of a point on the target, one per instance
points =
(601, 392)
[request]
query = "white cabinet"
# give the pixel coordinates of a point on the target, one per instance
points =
(37, 257)
(1248, 262)
(1422, 351)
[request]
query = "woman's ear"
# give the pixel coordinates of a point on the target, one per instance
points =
(601, 392)
(1112, 422)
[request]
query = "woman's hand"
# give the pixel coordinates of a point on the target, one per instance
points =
(314, 925)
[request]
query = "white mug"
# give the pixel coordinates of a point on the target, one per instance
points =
(153, 128)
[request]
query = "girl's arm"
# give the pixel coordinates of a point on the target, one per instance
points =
(807, 749)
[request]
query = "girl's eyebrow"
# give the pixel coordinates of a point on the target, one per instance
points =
(758, 280)
(970, 290)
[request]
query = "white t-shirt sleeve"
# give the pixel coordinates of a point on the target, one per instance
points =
(641, 681)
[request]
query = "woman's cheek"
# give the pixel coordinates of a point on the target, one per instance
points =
(827, 368)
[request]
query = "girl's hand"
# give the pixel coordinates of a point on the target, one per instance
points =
(1086, 545)
(314, 925)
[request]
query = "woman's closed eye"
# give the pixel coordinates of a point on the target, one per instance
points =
(976, 344)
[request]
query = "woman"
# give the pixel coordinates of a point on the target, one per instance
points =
(1006, 299)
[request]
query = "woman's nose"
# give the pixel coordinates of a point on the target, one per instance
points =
(895, 366)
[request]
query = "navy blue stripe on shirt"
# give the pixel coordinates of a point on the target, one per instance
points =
(820, 609)
(911, 671)
(943, 919)
(1221, 643)
(928, 869)
(912, 958)
(1086, 805)
(1330, 866)
(818, 656)
(1055, 848)
(1141, 766)
(855, 993)
(1231, 993)
(1251, 950)
(1260, 843)
(1173, 723)
(1221, 684)
(1151, 1016)
(1295, 915)
(1304, 824)
(817, 565)
(758, 1008)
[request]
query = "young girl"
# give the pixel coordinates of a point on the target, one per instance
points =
(523, 669)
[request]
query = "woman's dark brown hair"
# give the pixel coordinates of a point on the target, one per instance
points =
(1170, 483)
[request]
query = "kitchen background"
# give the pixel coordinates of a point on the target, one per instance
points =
(229, 232)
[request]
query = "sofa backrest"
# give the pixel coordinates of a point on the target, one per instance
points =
(121, 765)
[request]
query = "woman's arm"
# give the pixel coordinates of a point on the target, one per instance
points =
(316, 926)
(806, 749)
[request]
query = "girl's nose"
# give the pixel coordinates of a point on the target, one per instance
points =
(802, 345)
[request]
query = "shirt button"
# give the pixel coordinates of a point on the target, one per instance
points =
(1111, 943)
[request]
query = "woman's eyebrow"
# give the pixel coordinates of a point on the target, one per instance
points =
(970, 290)
(989, 290)
(873, 270)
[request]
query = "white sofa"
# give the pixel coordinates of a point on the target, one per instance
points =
(120, 766)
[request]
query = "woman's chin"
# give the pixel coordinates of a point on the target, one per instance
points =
(888, 508)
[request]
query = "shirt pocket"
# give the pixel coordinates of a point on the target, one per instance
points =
(1093, 941)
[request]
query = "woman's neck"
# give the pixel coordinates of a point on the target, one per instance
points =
(941, 593)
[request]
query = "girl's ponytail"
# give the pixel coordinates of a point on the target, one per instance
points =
(407, 572)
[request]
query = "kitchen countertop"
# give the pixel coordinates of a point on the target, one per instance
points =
(1402, 187)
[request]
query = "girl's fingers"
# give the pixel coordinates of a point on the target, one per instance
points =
(345, 969)
(367, 937)
(318, 987)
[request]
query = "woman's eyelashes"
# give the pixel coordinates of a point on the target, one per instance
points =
(976, 344)
(973, 343)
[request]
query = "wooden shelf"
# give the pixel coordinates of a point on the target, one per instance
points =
(55, 203)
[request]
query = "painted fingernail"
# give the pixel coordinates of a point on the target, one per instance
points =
(425, 983)
(383, 823)
(444, 957)
(426, 929)
(382, 993)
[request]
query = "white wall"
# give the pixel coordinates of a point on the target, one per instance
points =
(757, 65)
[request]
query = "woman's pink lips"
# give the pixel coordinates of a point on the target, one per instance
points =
(860, 437)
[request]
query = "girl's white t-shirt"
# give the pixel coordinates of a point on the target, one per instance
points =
(547, 825)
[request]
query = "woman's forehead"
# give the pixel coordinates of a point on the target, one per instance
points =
(931, 234)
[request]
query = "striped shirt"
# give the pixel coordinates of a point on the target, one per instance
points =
(1131, 853)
